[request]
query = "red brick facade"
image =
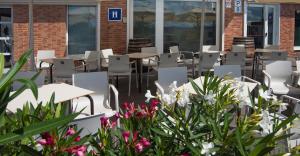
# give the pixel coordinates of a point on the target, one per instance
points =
(113, 34)
(20, 30)
(233, 26)
(50, 28)
(287, 26)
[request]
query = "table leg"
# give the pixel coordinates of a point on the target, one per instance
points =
(254, 65)
(51, 73)
(92, 103)
(140, 74)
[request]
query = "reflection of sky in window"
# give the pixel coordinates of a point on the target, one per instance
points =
(179, 7)
(82, 14)
(255, 14)
(144, 5)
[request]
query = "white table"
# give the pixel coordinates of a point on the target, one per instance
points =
(63, 92)
(247, 86)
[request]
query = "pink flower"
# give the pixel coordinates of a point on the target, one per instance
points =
(141, 114)
(185, 154)
(104, 122)
(126, 136)
(117, 115)
(113, 124)
(77, 139)
(127, 115)
(145, 142)
(70, 131)
(77, 150)
(42, 142)
(47, 139)
(139, 147)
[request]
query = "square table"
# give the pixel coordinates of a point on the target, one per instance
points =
(78, 57)
(139, 57)
(63, 92)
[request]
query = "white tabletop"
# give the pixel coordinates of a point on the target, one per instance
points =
(247, 86)
(259, 50)
(63, 92)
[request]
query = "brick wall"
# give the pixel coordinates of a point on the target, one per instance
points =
(20, 30)
(287, 27)
(113, 34)
(233, 26)
(50, 28)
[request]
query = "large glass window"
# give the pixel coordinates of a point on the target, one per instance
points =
(297, 28)
(81, 29)
(144, 19)
(182, 22)
(5, 30)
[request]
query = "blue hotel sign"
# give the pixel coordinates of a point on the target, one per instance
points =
(114, 14)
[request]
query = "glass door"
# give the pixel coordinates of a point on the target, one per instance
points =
(82, 25)
(262, 24)
(6, 33)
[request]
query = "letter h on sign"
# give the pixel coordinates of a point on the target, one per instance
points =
(114, 14)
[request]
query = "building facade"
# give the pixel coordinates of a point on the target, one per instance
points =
(74, 26)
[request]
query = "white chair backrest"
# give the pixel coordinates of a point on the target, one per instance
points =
(149, 50)
(174, 49)
(89, 125)
(207, 48)
(119, 64)
(236, 58)
(239, 48)
(94, 81)
(92, 59)
(279, 70)
(39, 81)
(45, 54)
(105, 53)
(228, 70)
(279, 56)
(209, 59)
(166, 76)
(168, 60)
(63, 67)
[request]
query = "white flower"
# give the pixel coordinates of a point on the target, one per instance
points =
(282, 107)
(267, 95)
(210, 97)
(184, 97)
(206, 149)
(173, 86)
(149, 96)
(266, 123)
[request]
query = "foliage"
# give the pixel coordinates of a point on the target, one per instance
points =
(215, 121)
(19, 130)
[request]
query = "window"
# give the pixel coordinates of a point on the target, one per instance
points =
(82, 24)
(144, 19)
(5, 30)
(182, 24)
(297, 28)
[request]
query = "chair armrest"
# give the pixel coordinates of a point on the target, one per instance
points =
(289, 98)
(159, 87)
(268, 77)
(116, 94)
(251, 80)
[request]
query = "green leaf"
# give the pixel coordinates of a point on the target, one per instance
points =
(27, 84)
(36, 128)
(2, 60)
(239, 143)
(160, 132)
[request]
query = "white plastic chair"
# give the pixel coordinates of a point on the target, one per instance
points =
(208, 61)
(97, 82)
(238, 48)
(119, 65)
(167, 75)
(92, 60)
(63, 70)
(39, 81)
(187, 58)
(44, 54)
(233, 71)
(88, 124)
(278, 77)
(104, 54)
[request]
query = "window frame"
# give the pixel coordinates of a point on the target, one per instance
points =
(295, 46)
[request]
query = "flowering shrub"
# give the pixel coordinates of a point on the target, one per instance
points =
(215, 121)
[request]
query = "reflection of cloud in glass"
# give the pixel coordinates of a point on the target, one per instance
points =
(255, 14)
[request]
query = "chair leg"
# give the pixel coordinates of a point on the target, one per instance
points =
(129, 87)
(148, 77)
(136, 78)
